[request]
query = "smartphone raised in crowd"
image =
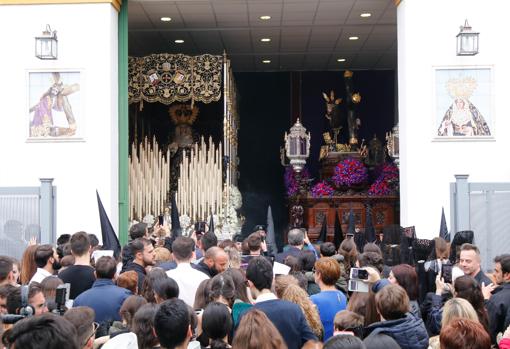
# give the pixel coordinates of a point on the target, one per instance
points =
(160, 219)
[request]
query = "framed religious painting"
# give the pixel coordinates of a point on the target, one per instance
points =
(55, 106)
(463, 103)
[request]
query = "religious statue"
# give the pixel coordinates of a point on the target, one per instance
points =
(352, 100)
(333, 114)
(183, 116)
(376, 154)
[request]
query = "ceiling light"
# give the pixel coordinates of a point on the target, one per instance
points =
(340, 60)
(265, 18)
(166, 19)
(365, 15)
(353, 38)
(265, 39)
(179, 41)
(266, 61)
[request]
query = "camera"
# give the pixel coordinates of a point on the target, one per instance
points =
(358, 273)
(356, 283)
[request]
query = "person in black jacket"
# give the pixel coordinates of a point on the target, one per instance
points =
(143, 253)
(498, 306)
(407, 330)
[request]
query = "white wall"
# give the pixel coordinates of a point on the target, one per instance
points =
(426, 38)
(87, 41)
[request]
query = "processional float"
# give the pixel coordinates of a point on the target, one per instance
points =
(204, 180)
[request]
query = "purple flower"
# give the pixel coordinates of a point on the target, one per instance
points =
(350, 172)
(322, 189)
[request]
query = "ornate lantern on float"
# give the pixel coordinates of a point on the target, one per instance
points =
(297, 146)
(392, 145)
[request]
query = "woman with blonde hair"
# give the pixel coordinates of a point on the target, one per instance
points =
(256, 331)
(295, 294)
(455, 308)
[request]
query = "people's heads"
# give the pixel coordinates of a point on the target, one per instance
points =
(296, 237)
(32, 295)
(147, 290)
(347, 320)
(16, 268)
(165, 289)
(46, 331)
(7, 276)
(238, 240)
(371, 247)
(295, 294)
(82, 319)
(256, 331)
(327, 271)
(172, 323)
(392, 302)
(350, 253)
(216, 321)
(46, 257)
(327, 249)
(254, 241)
(293, 262)
(458, 308)
(239, 282)
(63, 239)
(202, 294)
(28, 266)
(344, 342)
(129, 281)
(106, 267)
(143, 324)
(502, 269)
(442, 248)
(80, 244)
(306, 260)
(371, 259)
(216, 259)
(67, 261)
(259, 273)
(281, 282)
(208, 240)
(129, 308)
(469, 260)
(405, 276)
(161, 255)
(4, 292)
(143, 252)
(473, 335)
(183, 249)
(222, 289)
(468, 288)
(380, 341)
(138, 230)
(49, 287)
(94, 241)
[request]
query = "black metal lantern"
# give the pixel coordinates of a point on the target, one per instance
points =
(467, 41)
(46, 45)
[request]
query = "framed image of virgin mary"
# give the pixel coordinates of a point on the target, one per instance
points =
(463, 103)
(54, 106)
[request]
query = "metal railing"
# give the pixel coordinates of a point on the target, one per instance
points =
(26, 212)
(483, 208)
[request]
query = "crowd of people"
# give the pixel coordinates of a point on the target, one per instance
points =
(197, 292)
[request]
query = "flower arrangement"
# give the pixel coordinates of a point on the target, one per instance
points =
(296, 184)
(387, 182)
(350, 172)
(322, 189)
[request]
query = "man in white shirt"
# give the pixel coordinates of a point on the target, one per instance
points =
(187, 278)
(47, 261)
